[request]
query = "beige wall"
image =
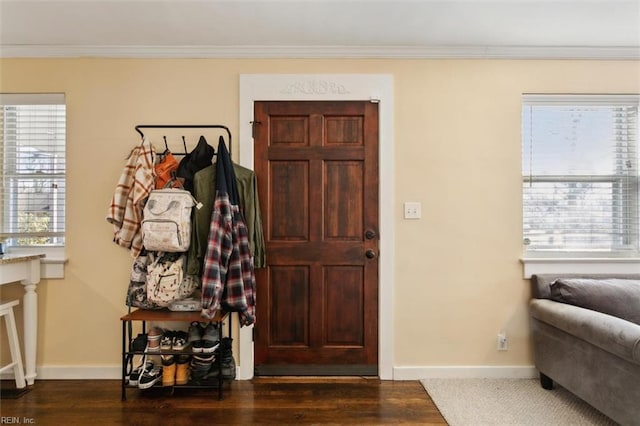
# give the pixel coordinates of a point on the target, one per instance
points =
(458, 280)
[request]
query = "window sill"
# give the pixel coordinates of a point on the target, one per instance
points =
(531, 266)
(52, 265)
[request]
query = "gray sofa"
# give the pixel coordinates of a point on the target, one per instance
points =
(586, 337)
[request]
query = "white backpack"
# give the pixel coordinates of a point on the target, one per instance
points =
(166, 220)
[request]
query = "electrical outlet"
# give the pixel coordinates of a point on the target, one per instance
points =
(412, 210)
(503, 343)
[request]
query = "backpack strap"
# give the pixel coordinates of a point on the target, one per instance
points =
(174, 181)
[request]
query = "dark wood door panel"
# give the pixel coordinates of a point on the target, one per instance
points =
(289, 309)
(289, 131)
(343, 200)
(288, 207)
(343, 311)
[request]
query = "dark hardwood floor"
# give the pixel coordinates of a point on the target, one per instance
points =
(290, 400)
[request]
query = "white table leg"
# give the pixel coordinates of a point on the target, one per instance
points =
(30, 315)
(30, 302)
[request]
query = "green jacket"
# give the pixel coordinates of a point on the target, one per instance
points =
(204, 184)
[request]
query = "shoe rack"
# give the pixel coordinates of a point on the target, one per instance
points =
(143, 316)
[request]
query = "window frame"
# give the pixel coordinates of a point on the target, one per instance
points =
(582, 261)
(54, 251)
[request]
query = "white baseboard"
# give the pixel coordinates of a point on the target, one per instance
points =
(466, 372)
(77, 372)
(114, 372)
(74, 372)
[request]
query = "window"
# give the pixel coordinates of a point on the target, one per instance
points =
(32, 145)
(580, 175)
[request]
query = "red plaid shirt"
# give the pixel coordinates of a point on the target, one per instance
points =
(228, 278)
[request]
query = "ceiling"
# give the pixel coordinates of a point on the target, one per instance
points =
(321, 28)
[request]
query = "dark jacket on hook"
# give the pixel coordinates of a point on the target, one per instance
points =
(198, 159)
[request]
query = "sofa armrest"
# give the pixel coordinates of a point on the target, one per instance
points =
(612, 334)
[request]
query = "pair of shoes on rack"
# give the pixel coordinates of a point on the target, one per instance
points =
(203, 339)
(175, 370)
(173, 340)
(146, 374)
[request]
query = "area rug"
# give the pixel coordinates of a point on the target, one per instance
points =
(465, 402)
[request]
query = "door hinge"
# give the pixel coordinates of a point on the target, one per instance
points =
(254, 128)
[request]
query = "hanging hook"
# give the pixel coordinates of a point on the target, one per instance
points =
(166, 147)
(184, 144)
(187, 126)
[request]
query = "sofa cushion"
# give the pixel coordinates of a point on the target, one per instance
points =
(613, 296)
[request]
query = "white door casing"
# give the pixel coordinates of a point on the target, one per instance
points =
(333, 87)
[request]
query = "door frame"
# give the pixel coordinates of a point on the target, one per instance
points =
(333, 87)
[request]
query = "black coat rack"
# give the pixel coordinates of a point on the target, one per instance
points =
(185, 126)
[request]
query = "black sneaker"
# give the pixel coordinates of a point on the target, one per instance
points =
(150, 377)
(134, 377)
(210, 338)
(166, 343)
(195, 337)
(180, 339)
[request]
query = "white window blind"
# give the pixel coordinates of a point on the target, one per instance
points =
(580, 174)
(32, 145)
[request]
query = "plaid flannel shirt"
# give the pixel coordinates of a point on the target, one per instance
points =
(228, 277)
(135, 183)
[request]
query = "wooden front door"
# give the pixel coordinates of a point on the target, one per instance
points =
(317, 299)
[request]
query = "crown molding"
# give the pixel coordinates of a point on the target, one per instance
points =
(354, 52)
